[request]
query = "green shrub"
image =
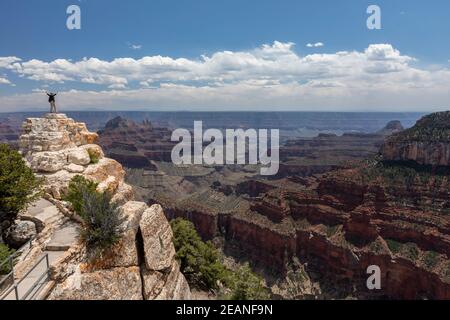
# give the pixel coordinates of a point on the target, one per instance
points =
(394, 246)
(5, 252)
(77, 187)
(93, 156)
(199, 260)
(247, 285)
(411, 251)
(18, 184)
(430, 259)
(201, 263)
(102, 220)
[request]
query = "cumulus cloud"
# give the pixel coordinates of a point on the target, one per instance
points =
(315, 45)
(4, 81)
(267, 76)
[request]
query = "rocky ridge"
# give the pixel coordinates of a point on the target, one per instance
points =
(142, 265)
(427, 143)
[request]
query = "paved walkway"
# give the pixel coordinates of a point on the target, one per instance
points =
(61, 240)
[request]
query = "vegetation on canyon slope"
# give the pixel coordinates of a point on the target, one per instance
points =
(431, 128)
(101, 216)
(18, 184)
(202, 266)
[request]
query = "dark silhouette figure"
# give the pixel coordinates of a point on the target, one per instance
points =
(51, 99)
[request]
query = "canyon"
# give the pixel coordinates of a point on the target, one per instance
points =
(339, 203)
(337, 206)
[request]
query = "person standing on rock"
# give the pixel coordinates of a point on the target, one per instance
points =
(51, 99)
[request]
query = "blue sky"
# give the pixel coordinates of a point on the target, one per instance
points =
(226, 54)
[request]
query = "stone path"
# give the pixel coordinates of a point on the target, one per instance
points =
(44, 211)
(60, 241)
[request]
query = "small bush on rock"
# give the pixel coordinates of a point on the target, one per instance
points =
(102, 220)
(93, 156)
(101, 216)
(77, 187)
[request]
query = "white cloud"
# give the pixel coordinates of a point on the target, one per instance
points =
(315, 45)
(4, 81)
(135, 46)
(264, 77)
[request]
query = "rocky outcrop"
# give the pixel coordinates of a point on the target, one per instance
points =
(57, 148)
(142, 264)
(427, 143)
(20, 232)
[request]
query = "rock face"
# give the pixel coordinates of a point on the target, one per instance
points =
(157, 236)
(142, 264)
(427, 143)
(20, 232)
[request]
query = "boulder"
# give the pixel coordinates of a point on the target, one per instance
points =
(79, 156)
(157, 236)
(105, 169)
(49, 161)
(74, 168)
(20, 232)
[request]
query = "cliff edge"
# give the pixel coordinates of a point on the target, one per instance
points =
(426, 143)
(142, 264)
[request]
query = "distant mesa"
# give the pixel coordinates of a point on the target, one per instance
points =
(392, 127)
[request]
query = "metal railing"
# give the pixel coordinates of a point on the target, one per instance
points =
(10, 261)
(35, 286)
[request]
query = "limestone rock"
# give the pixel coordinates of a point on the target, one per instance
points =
(124, 253)
(111, 284)
(176, 287)
(20, 232)
(123, 194)
(79, 156)
(47, 161)
(54, 132)
(157, 236)
(165, 286)
(74, 168)
(105, 169)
